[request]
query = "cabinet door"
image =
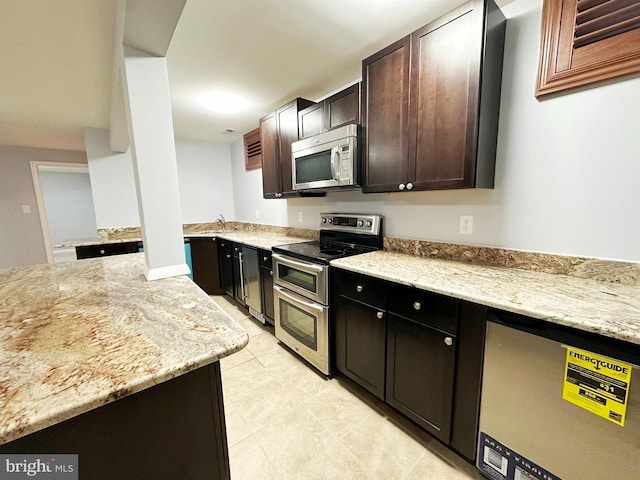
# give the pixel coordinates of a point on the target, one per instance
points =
(445, 74)
(360, 344)
(420, 373)
(205, 264)
(288, 133)
(270, 154)
(342, 108)
(226, 267)
(385, 110)
(310, 121)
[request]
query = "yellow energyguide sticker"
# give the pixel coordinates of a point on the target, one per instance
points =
(597, 384)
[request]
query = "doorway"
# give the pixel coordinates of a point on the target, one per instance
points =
(65, 205)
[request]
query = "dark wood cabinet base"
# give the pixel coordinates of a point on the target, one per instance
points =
(174, 430)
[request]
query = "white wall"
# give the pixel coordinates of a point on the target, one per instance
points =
(21, 241)
(112, 182)
(69, 205)
(247, 193)
(567, 169)
(204, 177)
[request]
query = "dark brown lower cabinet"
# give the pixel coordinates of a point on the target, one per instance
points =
(106, 249)
(418, 351)
(205, 264)
(420, 374)
(361, 331)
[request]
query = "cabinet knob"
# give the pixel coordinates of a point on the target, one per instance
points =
(228, 256)
(271, 272)
(380, 314)
(401, 186)
(417, 305)
(222, 244)
(448, 341)
(102, 252)
(213, 239)
(359, 288)
(409, 186)
(264, 259)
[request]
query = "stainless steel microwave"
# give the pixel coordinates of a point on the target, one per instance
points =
(327, 160)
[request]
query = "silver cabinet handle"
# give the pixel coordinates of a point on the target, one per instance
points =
(359, 288)
(401, 186)
(448, 341)
(417, 306)
(102, 252)
(380, 314)
(409, 186)
(241, 261)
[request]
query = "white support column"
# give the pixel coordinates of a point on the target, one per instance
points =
(148, 108)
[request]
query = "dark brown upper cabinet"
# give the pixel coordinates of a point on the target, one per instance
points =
(587, 41)
(430, 104)
(339, 109)
(277, 131)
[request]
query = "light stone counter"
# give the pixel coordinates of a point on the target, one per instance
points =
(258, 239)
(79, 335)
(608, 309)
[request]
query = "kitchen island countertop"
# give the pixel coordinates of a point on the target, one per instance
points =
(600, 307)
(79, 335)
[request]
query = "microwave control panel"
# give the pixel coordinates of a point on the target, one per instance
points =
(346, 163)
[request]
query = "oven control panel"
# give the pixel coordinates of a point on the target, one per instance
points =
(350, 222)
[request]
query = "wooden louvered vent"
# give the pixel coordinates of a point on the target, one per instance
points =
(252, 150)
(587, 41)
(601, 19)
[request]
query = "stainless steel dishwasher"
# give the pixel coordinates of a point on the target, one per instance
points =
(250, 281)
(557, 403)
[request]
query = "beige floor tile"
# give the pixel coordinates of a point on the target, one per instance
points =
(235, 359)
(237, 427)
(338, 409)
(304, 382)
(279, 360)
(262, 343)
(334, 463)
(292, 441)
(243, 377)
(249, 462)
(384, 450)
(432, 467)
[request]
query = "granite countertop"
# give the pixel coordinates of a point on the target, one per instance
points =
(590, 305)
(78, 335)
(258, 239)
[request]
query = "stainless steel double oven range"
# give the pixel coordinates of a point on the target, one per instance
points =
(301, 282)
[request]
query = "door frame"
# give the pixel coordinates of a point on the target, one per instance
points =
(42, 211)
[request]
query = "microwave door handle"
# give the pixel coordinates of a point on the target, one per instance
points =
(335, 162)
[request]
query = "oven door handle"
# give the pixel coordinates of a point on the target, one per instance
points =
(335, 163)
(283, 293)
(293, 263)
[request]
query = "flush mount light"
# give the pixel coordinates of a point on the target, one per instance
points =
(223, 102)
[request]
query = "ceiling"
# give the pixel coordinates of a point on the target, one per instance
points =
(57, 60)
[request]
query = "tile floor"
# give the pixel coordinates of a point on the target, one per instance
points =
(285, 421)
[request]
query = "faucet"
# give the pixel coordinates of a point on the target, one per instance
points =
(222, 222)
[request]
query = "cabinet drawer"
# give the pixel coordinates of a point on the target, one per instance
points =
(427, 308)
(264, 257)
(369, 290)
(93, 251)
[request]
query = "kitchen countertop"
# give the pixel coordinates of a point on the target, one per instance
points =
(79, 335)
(254, 238)
(604, 308)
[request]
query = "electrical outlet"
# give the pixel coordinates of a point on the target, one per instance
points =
(466, 224)
(26, 208)
(257, 214)
(300, 217)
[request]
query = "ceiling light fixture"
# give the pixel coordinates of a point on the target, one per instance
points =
(223, 102)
